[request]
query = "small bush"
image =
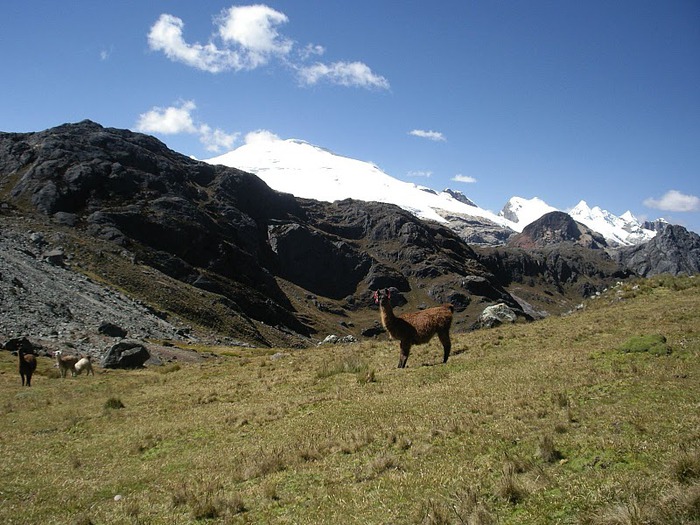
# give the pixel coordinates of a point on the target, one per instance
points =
(264, 463)
(630, 513)
(510, 488)
(206, 500)
(654, 344)
(114, 403)
(686, 467)
(561, 399)
(380, 464)
(546, 450)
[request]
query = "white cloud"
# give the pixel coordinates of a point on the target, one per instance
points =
(464, 178)
(168, 121)
(178, 119)
(344, 74)
(420, 173)
(216, 139)
(253, 29)
(247, 37)
(674, 200)
(430, 135)
(311, 50)
(166, 36)
(259, 136)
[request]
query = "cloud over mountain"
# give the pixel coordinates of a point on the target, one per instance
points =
(674, 200)
(247, 38)
(173, 120)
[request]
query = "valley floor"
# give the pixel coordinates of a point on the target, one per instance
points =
(581, 419)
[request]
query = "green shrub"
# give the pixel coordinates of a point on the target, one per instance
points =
(654, 344)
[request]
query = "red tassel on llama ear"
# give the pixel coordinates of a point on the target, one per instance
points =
(388, 293)
(376, 296)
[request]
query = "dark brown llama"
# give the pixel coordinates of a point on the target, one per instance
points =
(27, 365)
(415, 328)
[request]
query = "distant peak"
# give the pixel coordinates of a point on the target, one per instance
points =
(459, 196)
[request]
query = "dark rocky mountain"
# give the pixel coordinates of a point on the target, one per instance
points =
(101, 225)
(458, 195)
(674, 250)
(553, 260)
(553, 228)
(477, 231)
(657, 225)
(215, 248)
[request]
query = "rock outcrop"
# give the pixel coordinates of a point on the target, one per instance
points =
(674, 251)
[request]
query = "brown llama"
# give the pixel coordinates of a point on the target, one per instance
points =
(415, 328)
(27, 365)
(65, 363)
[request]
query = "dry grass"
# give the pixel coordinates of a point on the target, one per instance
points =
(548, 422)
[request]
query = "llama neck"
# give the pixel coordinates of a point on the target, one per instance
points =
(388, 318)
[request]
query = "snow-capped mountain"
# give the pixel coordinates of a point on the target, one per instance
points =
(524, 211)
(308, 171)
(625, 230)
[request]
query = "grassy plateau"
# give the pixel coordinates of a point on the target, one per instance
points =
(590, 418)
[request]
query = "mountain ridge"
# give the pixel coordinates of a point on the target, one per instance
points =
(305, 170)
(219, 254)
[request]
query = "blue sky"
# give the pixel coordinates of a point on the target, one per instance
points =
(563, 100)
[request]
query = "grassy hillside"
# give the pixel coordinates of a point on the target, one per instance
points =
(590, 418)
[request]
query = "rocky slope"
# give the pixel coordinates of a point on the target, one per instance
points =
(674, 250)
(105, 225)
(210, 246)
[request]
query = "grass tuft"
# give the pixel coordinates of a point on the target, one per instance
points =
(207, 500)
(113, 403)
(546, 450)
(509, 487)
(349, 364)
(686, 466)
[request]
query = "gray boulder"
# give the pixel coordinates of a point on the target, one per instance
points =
(126, 354)
(495, 315)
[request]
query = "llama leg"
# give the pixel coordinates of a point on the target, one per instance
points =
(446, 344)
(405, 349)
(29, 379)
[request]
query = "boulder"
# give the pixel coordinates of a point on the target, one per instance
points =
(20, 343)
(111, 329)
(55, 257)
(126, 354)
(495, 315)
